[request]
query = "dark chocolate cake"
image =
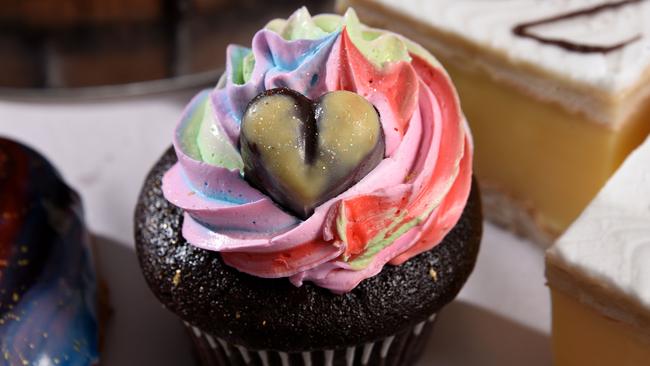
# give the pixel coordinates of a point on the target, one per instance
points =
(196, 285)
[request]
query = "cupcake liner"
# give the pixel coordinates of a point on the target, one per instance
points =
(400, 349)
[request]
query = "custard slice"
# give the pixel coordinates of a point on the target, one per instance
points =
(556, 93)
(599, 274)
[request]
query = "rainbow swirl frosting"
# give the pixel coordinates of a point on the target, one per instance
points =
(403, 207)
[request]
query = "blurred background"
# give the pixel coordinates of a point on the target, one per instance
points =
(52, 47)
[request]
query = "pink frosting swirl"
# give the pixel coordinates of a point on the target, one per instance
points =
(404, 207)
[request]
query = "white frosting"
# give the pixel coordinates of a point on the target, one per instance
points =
(490, 23)
(610, 241)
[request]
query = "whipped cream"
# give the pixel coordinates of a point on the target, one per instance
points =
(610, 241)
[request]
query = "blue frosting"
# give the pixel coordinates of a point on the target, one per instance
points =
(48, 287)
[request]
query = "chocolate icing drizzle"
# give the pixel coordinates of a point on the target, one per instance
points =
(523, 29)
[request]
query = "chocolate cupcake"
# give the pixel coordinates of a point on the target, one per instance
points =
(48, 292)
(318, 207)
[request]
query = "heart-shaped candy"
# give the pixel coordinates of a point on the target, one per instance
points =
(302, 153)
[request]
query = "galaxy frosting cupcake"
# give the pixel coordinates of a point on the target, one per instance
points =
(318, 206)
(48, 293)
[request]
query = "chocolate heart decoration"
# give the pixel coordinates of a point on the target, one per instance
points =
(302, 153)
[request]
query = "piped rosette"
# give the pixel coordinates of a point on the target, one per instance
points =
(403, 206)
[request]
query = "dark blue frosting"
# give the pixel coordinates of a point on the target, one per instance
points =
(48, 292)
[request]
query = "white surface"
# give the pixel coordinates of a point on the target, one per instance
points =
(610, 241)
(105, 148)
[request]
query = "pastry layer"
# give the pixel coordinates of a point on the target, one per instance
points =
(510, 214)
(583, 336)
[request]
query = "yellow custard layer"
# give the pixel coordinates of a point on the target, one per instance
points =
(582, 336)
(551, 161)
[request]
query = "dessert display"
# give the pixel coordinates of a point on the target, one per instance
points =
(48, 313)
(599, 276)
(556, 94)
(318, 205)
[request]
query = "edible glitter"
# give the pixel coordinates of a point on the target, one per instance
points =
(433, 274)
(177, 278)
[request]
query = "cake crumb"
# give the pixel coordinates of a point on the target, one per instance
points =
(237, 315)
(433, 274)
(177, 278)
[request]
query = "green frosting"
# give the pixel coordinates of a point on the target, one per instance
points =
(381, 241)
(204, 140)
(190, 131)
(248, 64)
(376, 244)
(240, 71)
(214, 145)
(378, 46)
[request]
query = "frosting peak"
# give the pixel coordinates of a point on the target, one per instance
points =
(402, 207)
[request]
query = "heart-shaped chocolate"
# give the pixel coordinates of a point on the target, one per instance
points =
(302, 153)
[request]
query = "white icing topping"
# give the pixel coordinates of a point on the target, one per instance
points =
(610, 241)
(490, 22)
